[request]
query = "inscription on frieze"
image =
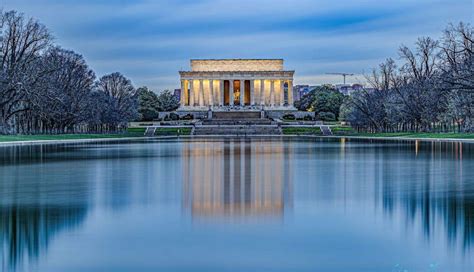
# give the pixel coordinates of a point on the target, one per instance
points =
(237, 65)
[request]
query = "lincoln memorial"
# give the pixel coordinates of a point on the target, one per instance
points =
(236, 84)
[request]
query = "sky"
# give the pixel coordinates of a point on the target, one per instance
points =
(150, 41)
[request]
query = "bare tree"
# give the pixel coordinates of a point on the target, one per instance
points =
(432, 89)
(458, 74)
(21, 45)
(123, 96)
(61, 99)
(458, 57)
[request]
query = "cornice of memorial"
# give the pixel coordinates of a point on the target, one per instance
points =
(235, 74)
(238, 59)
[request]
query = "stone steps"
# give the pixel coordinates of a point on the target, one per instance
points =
(236, 115)
(237, 130)
(150, 131)
(238, 122)
(326, 131)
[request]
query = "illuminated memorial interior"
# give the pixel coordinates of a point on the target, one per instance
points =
(224, 83)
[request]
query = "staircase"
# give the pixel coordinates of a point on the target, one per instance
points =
(236, 115)
(237, 130)
(232, 122)
(237, 127)
(150, 131)
(326, 131)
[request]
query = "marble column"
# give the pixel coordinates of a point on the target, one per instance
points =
(182, 101)
(221, 92)
(186, 92)
(191, 98)
(231, 92)
(256, 92)
(201, 92)
(242, 92)
(262, 92)
(211, 92)
(272, 92)
(252, 92)
(290, 93)
(282, 92)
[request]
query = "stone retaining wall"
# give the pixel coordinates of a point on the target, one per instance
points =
(196, 114)
(279, 114)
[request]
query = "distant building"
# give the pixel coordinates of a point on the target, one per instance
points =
(177, 93)
(299, 91)
(348, 89)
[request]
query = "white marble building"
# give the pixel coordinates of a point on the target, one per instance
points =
(236, 84)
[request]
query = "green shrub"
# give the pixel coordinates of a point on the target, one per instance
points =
(289, 117)
(187, 117)
(174, 116)
(326, 116)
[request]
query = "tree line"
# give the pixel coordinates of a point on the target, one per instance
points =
(430, 88)
(47, 89)
(324, 100)
(150, 104)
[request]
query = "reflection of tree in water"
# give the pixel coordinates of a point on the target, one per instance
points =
(36, 206)
(436, 195)
(47, 189)
(47, 153)
(27, 231)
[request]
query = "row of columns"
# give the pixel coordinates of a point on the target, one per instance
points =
(215, 96)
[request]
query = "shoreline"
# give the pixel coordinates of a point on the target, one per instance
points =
(125, 139)
(69, 141)
(397, 138)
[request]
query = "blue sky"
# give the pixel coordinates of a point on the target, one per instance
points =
(149, 41)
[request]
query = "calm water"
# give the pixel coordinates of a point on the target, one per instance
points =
(238, 205)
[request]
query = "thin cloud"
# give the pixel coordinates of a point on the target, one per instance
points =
(149, 41)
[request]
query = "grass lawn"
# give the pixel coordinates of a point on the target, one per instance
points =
(136, 130)
(340, 130)
(302, 131)
(131, 132)
(172, 131)
(419, 135)
(16, 138)
(348, 131)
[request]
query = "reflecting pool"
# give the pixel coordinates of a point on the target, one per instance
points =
(238, 204)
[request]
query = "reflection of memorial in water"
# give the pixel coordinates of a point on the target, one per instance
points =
(237, 177)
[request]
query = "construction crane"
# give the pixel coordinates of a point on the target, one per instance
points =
(341, 74)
